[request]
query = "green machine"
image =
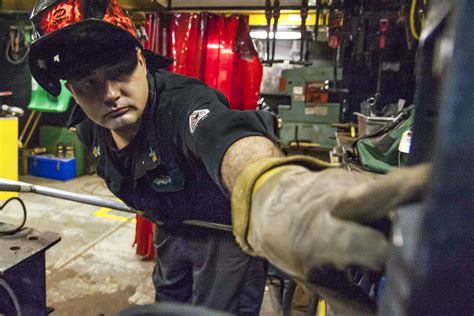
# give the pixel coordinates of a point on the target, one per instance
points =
(307, 121)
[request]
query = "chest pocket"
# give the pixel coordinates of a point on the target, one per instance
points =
(172, 182)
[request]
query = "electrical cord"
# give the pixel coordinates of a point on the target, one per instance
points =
(4, 284)
(20, 227)
(15, 54)
(412, 18)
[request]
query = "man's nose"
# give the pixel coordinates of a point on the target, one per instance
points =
(111, 92)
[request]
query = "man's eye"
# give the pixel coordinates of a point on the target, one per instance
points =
(88, 82)
(119, 72)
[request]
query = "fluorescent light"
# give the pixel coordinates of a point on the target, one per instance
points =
(288, 35)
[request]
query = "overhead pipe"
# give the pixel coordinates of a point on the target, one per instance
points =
(239, 8)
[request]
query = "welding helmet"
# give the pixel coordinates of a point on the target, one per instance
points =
(72, 36)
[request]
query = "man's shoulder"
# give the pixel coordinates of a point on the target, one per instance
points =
(171, 82)
(185, 88)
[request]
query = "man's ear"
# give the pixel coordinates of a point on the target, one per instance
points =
(68, 86)
(141, 58)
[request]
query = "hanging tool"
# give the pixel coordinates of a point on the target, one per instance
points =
(17, 46)
(362, 29)
(335, 23)
(304, 16)
(276, 16)
(316, 23)
(16, 186)
(271, 42)
(268, 17)
(383, 31)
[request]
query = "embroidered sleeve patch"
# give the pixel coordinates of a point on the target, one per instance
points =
(196, 117)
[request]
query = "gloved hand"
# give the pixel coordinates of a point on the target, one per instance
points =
(300, 220)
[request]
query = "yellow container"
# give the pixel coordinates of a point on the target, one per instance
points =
(8, 152)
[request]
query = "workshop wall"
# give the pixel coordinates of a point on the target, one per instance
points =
(14, 77)
(15, 73)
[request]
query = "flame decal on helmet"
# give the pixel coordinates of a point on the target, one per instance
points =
(116, 16)
(68, 12)
(65, 13)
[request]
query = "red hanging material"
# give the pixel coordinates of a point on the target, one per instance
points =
(219, 51)
(248, 70)
(153, 31)
(144, 237)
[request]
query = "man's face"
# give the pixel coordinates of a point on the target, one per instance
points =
(115, 96)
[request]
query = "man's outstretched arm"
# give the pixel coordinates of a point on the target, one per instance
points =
(244, 152)
(301, 213)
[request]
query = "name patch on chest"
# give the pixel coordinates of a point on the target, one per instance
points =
(196, 117)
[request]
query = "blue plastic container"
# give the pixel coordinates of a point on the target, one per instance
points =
(52, 167)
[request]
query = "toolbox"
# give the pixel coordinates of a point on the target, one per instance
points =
(51, 136)
(51, 167)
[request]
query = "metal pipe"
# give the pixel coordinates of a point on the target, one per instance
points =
(17, 186)
(240, 8)
(27, 125)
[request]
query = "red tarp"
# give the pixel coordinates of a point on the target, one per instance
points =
(218, 50)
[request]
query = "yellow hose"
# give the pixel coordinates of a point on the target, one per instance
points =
(412, 20)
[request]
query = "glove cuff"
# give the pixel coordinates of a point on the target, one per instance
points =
(245, 184)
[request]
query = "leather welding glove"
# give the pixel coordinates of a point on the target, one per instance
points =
(299, 219)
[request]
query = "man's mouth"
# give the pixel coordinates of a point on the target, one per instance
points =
(117, 113)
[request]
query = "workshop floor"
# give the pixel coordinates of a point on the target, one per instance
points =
(93, 270)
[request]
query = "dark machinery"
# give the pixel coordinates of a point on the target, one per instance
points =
(22, 271)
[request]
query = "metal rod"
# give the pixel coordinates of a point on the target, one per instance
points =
(35, 123)
(27, 125)
(17, 186)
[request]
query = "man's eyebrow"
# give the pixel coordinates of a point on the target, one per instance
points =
(81, 78)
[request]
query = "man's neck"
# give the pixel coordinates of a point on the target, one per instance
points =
(123, 136)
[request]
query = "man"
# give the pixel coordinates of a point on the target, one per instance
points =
(159, 139)
(170, 146)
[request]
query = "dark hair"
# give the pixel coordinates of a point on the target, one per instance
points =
(91, 49)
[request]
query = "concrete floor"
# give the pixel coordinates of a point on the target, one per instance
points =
(93, 270)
